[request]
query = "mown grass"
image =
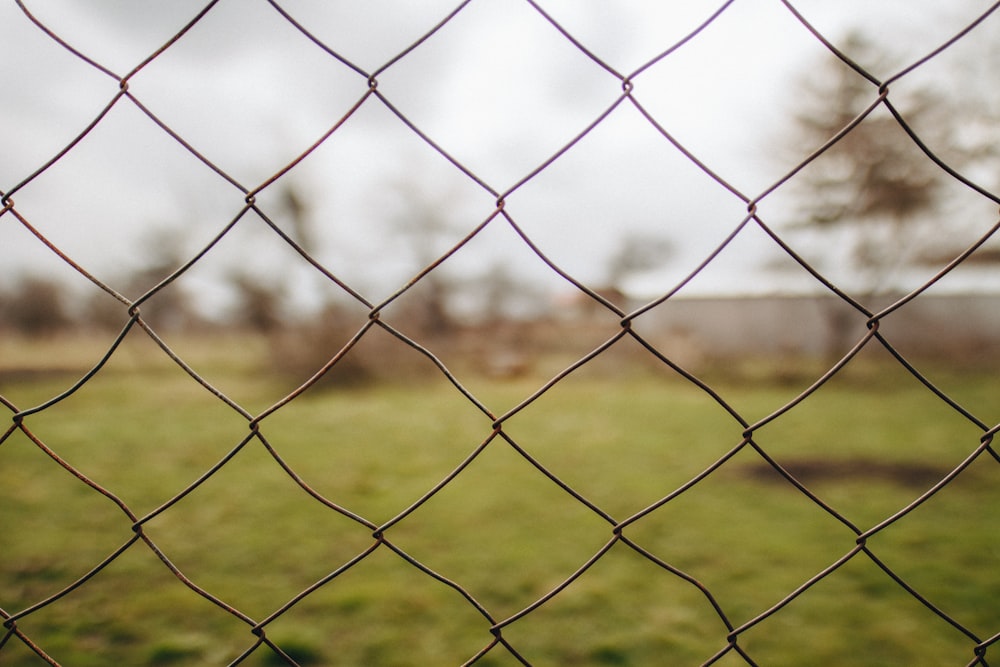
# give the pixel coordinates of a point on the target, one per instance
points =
(867, 443)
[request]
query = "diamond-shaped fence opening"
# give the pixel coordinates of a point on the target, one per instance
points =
(499, 332)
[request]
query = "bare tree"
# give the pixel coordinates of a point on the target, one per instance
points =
(299, 212)
(170, 308)
(36, 307)
(637, 253)
(874, 186)
(425, 232)
(260, 294)
(258, 302)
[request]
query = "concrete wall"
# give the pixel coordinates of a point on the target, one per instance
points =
(965, 325)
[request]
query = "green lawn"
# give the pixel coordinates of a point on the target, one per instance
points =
(867, 444)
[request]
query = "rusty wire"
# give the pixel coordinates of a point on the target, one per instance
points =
(16, 621)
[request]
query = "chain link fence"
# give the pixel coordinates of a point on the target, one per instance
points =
(364, 539)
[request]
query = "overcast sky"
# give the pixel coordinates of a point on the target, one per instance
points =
(498, 88)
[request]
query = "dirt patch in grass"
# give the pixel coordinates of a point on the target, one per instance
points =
(808, 471)
(24, 375)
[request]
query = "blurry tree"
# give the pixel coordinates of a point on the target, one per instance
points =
(637, 253)
(258, 302)
(874, 202)
(873, 186)
(422, 228)
(506, 295)
(171, 308)
(299, 212)
(260, 295)
(973, 143)
(35, 307)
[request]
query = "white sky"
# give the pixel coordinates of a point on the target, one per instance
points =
(498, 88)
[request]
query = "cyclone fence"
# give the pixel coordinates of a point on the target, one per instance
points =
(393, 564)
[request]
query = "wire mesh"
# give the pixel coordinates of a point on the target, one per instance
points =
(615, 531)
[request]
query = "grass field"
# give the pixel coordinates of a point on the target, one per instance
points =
(867, 443)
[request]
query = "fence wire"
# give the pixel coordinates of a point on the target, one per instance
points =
(24, 624)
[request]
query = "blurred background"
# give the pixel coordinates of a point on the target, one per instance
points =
(470, 115)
